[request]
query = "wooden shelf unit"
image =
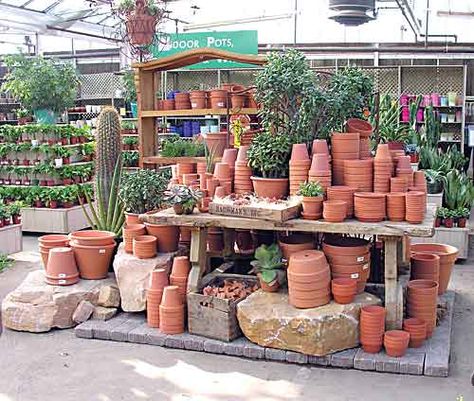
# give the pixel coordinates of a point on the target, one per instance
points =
(196, 112)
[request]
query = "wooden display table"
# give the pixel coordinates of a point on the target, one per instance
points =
(390, 233)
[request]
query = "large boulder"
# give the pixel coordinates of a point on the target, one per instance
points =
(38, 307)
(270, 321)
(132, 276)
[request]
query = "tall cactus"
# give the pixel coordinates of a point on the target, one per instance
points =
(108, 150)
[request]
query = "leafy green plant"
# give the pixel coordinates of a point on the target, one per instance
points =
(311, 189)
(268, 263)
(128, 80)
(41, 83)
(182, 198)
(130, 140)
(269, 155)
(129, 125)
(143, 191)
(5, 262)
(130, 159)
(15, 208)
(178, 147)
(127, 7)
(458, 191)
(441, 212)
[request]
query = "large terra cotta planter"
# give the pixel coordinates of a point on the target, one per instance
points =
(272, 188)
(167, 236)
(93, 237)
(93, 261)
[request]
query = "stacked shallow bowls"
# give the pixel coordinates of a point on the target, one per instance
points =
(383, 169)
(358, 174)
(344, 146)
(349, 258)
(242, 174)
(370, 206)
(309, 279)
(320, 170)
(342, 193)
(179, 274)
(299, 166)
(372, 328)
(129, 232)
(398, 184)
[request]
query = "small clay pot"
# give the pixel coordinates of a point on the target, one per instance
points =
(171, 297)
(268, 287)
(417, 329)
(425, 266)
(129, 232)
(181, 266)
(158, 280)
(132, 218)
(166, 235)
(295, 242)
(320, 146)
(334, 211)
(396, 342)
(61, 268)
(313, 206)
(299, 151)
(343, 290)
(144, 246)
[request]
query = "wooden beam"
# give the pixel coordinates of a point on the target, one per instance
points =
(196, 112)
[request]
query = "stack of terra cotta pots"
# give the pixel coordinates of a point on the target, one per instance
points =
(230, 157)
(342, 193)
(299, 167)
(415, 207)
(223, 173)
(358, 174)
(417, 329)
(344, 290)
(396, 206)
(309, 279)
(171, 311)
(404, 170)
(218, 98)
(447, 257)
(179, 274)
(396, 342)
(348, 258)
(167, 236)
(344, 146)
(129, 232)
(419, 183)
(184, 168)
(422, 297)
(50, 241)
(364, 128)
(320, 170)
(93, 250)
(334, 211)
(182, 101)
(61, 268)
(144, 246)
(383, 169)
(370, 206)
(242, 181)
(398, 184)
(424, 266)
(372, 328)
(157, 282)
(295, 242)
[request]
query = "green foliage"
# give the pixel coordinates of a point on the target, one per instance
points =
(178, 147)
(431, 129)
(458, 191)
(389, 127)
(311, 189)
(143, 191)
(269, 155)
(40, 83)
(182, 195)
(130, 125)
(15, 208)
(268, 261)
(5, 262)
(130, 159)
(441, 212)
(127, 7)
(130, 140)
(128, 80)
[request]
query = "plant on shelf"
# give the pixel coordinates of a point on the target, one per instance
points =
(182, 198)
(178, 147)
(88, 150)
(45, 86)
(130, 94)
(462, 215)
(434, 181)
(458, 191)
(130, 159)
(130, 143)
(143, 191)
(440, 215)
(269, 267)
(313, 196)
(15, 211)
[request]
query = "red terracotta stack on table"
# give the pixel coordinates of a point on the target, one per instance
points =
(415, 207)
(425, 266)
(320, 146)
(422, 301)
(211, 184)
(344, 146)
(184, 168)
(182, 101)
(223, 173)
(372, 328)
(129, 232)
(396, 206)
(190, 179)
(404, 170)
(370, 206)
(320, 170)
(198, 99)
(358, 174)
(398, 184)
(343, 193)
(334, 211)
(309, 279)
(419, 183)
(242, 181)
(157, 282)
(171, 311)
(179, 274)
(383, 169)
(299, 166)
(348, 258)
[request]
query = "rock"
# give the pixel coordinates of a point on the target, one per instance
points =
(270, 321)
(132, 276)
(83, 312)
(109, 297)
(38, 307)
(101, 313)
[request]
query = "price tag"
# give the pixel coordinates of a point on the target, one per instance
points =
(101, 251)
(365, 267)
(360, 258)
(355, 275)
(62, 282)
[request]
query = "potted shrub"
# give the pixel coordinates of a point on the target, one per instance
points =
(2, 215)
(51, 197)
(45, 86)
(434, 181)
(313, 197)
(448, 221)
(15, 211)
(182, 198)
(269, 267)
(462, 215)
(6, 216)
(440, 215)
(268, 157)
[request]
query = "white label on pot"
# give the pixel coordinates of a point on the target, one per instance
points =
(220, 104)
(62, 282)
(365, 267)
(355, 275)
(101, 250)
(61, 275)
(194, 105)
(360, 258)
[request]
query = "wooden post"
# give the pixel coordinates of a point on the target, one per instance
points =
(229, 241)
(144, 81)
(197, 257)
(393, 299)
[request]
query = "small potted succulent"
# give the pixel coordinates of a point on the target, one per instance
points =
(462, 215)
(269, 267)
(182, 198)
(313, 196)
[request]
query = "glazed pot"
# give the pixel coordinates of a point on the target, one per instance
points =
(61, 268)
(295, 242)
(313, 206)
(396, 342)
(93, 261)
(447, 257)
(343, 290)
(166, 235)
(417, 329)
(272, 188)
(144, 246)
(93, 237)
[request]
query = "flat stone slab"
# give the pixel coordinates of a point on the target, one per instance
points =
(268, 320)
(427, 360)
(37, 307)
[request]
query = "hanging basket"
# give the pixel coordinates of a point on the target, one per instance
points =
(141, 29)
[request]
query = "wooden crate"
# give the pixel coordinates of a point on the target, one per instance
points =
(213, 317)
(11, 240)
(58, 221)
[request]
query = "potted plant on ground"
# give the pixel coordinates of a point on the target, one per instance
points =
(183, 199)
(440, 215)
(269, 267)
(45, 86)
(268, 157)
(313, 197)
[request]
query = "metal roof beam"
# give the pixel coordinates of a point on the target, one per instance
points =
(53, 5)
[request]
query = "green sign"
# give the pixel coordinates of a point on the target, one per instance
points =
(241, 42)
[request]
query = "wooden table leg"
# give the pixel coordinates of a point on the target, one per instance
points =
(229, 242)
(197, 257)
(393, 294)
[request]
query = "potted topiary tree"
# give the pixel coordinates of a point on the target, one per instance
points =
(45, 86)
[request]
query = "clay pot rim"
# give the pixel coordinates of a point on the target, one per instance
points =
(396, 335)
(335, 203)
(343, 282)
(53, 238)
(145, 239)
(78, 246)
(425, 257)
(369, 195)
(374, 310)
(422, 284)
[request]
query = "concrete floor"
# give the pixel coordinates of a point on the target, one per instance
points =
(59, 366)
